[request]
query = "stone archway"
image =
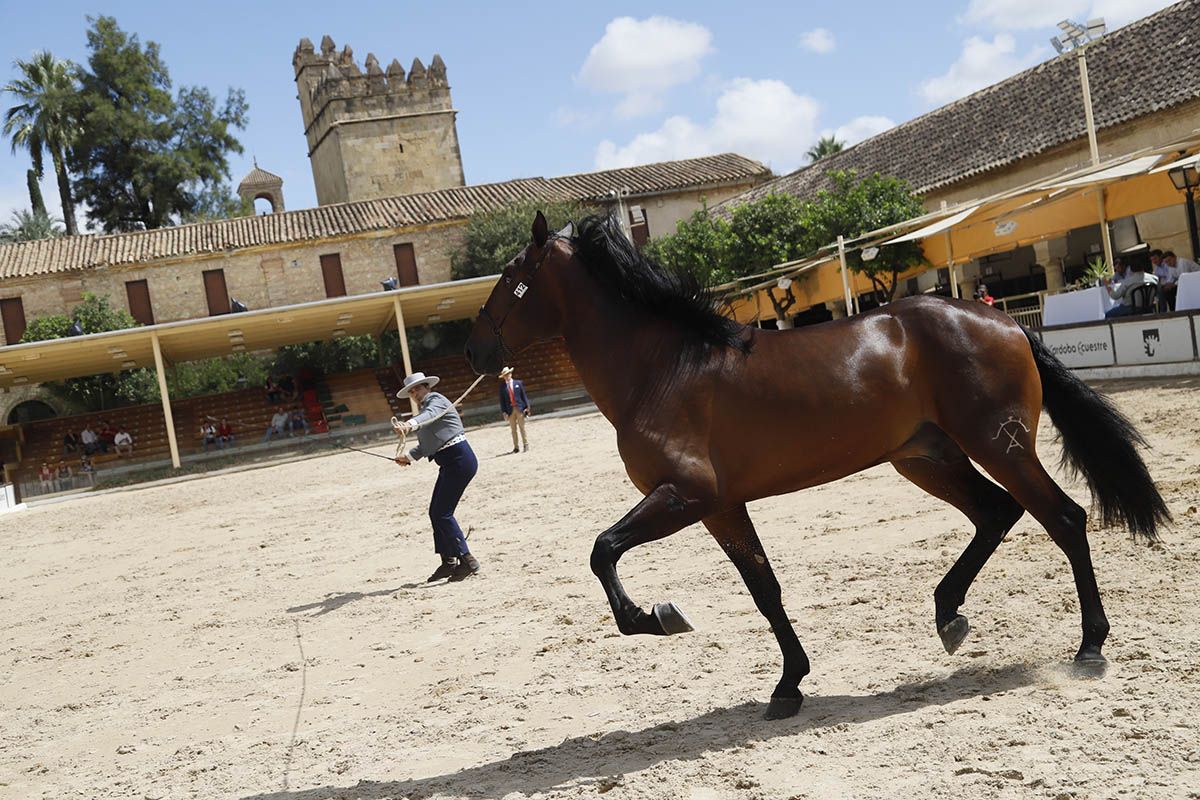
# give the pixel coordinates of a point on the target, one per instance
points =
(30, 411)
(14, 398)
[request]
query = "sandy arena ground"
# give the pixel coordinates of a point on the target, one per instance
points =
(266, 635)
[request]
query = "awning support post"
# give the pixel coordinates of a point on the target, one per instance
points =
(845, 277)
(404, 346)
(166, 400)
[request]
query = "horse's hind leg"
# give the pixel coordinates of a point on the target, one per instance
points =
(734, 531)
(949, 476)
(1066, 522)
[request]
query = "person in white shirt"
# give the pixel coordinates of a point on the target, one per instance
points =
(89, 440)
(1182, 266)
(124, 442)
(278, 424)
(1167, 277)
(1123, 291)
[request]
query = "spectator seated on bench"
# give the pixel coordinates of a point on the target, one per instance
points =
(123, 441)
(278, 425)
(224, 433)
(297, 420)
(1124, 292)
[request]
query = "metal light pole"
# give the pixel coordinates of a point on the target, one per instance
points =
(1186, 179)
(1077, 37)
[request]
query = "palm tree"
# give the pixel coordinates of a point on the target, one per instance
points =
(825, 146)
(41, 120)
(27, 226)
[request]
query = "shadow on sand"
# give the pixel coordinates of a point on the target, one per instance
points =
(336, 601)
(597, 758)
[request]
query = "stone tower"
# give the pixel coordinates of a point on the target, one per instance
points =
(374, 134)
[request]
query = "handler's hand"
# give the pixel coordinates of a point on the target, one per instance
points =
(403, 461)
(401, 428)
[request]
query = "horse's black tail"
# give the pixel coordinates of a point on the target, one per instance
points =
(1100, 443)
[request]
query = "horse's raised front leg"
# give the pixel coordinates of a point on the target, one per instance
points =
(664, 511)
(734, 531)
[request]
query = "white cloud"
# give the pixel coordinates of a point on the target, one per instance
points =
(1030, 14)
(818, 40)
(641, 59)
(980, 64)
(860, 128)
(762, 119)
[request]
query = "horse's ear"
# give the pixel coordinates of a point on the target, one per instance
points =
(541, 230)
(568, 231)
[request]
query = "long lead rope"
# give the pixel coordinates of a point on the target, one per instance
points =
(404, 437)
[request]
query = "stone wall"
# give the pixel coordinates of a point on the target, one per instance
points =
(260, 278)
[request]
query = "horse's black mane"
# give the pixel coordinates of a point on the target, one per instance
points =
(675, 295)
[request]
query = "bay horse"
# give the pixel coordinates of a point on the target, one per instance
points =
(711, 415)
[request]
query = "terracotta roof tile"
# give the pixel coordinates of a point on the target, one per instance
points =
(1144, 67)
(69, 253)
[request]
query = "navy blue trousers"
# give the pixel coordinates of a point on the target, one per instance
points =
(458, 466)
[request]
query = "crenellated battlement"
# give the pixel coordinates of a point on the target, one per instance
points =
(335, 90)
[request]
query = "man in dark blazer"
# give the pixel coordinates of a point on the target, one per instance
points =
(514, 406)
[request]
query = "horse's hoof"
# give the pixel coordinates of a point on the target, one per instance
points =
(953, 633)
(784, 707)
(1090, 663)
(671, 619)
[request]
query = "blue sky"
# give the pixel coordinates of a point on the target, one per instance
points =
(546, 90)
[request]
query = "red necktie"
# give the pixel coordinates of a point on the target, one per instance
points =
(512, 398)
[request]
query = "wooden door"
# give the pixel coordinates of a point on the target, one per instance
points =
(331, 270)
(215, 292)
(406, 264)
(13, 313)
(139, 302)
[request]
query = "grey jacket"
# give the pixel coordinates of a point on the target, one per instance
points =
(432, 435)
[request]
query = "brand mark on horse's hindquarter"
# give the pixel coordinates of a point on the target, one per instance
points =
(1010, 428)
(674, 503)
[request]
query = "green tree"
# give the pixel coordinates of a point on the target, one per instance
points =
(768, 232)
(826, 146)
(27, 226)
(856, 206)
(42, 121)
(95, 315)
(35, 192)
(702, 245)
(218, 201)
(145, 158)
(754, 238)
(494, 237)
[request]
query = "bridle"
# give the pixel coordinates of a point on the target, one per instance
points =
(519, 292)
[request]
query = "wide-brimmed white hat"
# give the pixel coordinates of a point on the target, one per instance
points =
(415, 379)
(504, 373)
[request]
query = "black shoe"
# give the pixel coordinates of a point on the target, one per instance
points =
(446, 570)
(515, 450)
(468, 565)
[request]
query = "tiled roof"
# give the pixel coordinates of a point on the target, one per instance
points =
(1147, 66)
(259, 177)
(650, 178)
(69, 253)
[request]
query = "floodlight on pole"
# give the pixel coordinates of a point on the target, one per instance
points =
(1187, 180)
(1076, 37)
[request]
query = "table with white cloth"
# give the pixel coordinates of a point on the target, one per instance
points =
(1187, 298)
(1085, 305)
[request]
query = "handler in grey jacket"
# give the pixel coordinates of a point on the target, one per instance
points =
(441, 438)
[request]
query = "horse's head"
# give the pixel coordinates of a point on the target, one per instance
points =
(525, 305)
